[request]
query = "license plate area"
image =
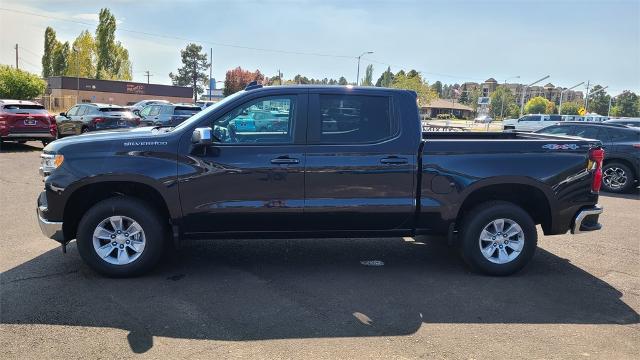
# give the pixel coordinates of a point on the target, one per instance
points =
(30, 122)
(122, 123)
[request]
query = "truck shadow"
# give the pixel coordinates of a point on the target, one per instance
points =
(277, 289)
(632, 195)
(14, 147)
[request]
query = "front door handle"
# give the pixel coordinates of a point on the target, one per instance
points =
(284, 160)
(394, 160)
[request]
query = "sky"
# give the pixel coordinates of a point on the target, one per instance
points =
(451, 41)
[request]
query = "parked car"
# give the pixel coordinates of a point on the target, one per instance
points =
(137, 107)
(633, 122)
(203, 104)
(484, 119)
(83, 118)
(621, 169)
(167, 114)
(122, 196)
(531, 122)
(23, 121)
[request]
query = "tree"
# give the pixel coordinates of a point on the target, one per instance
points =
(386, 79)
(537, 105)
(19, 84)
(105, 44)
(50, 45)
(570, 108)
(368, 76)
(551, 108)
(627, 104)
(192, 72)
(83, 55)
(437, 87)
(342, 81)
(237, 79)
(501, 99)
(412, 73)
(122, 66)
(415, 83)
(60, 58)
(464, 94)
(599, 103)
(473, 96)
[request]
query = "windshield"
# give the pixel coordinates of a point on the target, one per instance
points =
(204, 113)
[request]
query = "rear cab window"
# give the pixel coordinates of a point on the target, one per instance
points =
(24, 109)
(353, 119)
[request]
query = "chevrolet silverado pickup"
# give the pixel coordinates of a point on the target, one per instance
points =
(319, 171)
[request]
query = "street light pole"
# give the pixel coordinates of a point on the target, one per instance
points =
(75, 50)
(502, 101)
(562, 92)
(593, 93)
(361, 55)
(525, 90)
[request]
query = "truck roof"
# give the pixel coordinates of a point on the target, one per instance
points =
(345, 88)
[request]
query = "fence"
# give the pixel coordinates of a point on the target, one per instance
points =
(57, 104)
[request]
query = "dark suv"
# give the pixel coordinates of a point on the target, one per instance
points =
(83, 118)
(167, 114)
(22, 121)
(622, 164)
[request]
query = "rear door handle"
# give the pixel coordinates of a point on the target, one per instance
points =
(284, 160)
(393, 160)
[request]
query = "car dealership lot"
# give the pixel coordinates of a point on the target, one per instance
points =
(579, 297)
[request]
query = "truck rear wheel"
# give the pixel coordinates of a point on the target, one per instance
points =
(121, 237)
(498, 238)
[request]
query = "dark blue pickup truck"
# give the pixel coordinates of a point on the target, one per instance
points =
(328, 162)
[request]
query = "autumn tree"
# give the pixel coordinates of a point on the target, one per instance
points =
(237, 79)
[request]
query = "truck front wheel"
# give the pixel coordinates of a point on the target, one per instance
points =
(121, 237)
(498, 238)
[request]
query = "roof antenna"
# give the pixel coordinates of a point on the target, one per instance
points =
(253, 85)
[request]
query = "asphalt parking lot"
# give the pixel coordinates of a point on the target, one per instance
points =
(579, 297)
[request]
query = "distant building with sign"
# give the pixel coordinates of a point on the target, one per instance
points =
(62, 90)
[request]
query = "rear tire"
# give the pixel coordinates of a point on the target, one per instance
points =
(507, 248)
(617, 178)
(149, 239)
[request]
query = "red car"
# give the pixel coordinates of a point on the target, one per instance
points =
(23, 121)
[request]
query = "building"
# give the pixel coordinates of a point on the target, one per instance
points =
(548, 91)
(63, 92)
(445, 106)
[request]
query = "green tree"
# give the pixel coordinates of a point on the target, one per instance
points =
(598, 103)
(342, 81)
(474, 94)
(105, 44)
(501, 100)
(415, 83)
(627, 104)
(464, 95)
(60, 59)
(83, 55)
(50, 45)
(192, 72)
(368, 76)
(437, 87)
(570, 108)
(386, 79)
(19, 84)
(537, 105)
(412, 73)
(122, 65)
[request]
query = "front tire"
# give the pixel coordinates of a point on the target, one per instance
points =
(121, 237)
(498, 238)
(617, 178)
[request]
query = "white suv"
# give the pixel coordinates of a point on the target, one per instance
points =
(531, 122)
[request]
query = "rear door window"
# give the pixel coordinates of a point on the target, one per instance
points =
(73, 111)
(587, 132)
(355, 119)
(82, 110)
(558, 130)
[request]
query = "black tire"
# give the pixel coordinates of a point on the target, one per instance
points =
(621, 169)
(154, 228)
(474, 223)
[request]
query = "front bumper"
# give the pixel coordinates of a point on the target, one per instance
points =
(50, 229)
(587, 220)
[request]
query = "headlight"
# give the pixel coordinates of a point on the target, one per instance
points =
(50, 162)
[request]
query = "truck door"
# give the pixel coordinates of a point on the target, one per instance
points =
(249, 181)
(360, 168)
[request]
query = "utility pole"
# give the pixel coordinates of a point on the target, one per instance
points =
(17, 56)
(195, 79)
(280, 76)
(147, 74)
(586, 98)
(210, 74)
(361, 55)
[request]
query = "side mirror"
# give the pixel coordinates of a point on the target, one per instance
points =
(63, 114)
(202, 136)
(137, 112)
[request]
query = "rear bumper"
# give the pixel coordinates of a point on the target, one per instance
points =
(28, 136)
(587, 220)
(50, 229)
